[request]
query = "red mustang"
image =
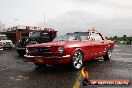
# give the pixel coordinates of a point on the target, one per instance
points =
(74, 48)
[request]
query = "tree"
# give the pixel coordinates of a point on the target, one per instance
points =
(124, 37)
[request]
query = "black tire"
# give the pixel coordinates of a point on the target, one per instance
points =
(40, 65)
(107, 57)
(77, 60)
(20, 53)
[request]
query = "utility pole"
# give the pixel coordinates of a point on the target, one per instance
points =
(0, 25)
(44, 20)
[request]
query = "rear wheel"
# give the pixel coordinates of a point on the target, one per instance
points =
(77, 60)
(108, 55)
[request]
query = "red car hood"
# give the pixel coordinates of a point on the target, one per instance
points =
(48, 44)
(63, 43)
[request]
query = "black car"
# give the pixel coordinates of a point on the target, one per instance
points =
(40, 36)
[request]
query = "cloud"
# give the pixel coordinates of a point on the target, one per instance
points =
(111, 17)
(81, 21)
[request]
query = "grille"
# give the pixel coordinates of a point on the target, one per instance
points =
(40, 49)
(7, 42)
(33, 49)
(45, 49)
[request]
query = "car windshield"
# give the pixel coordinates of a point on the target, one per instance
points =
(35, 34)
(72, 36)
(4, 38)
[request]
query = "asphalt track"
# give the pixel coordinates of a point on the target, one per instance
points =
(16, 72)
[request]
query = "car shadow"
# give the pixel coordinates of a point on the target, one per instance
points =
(52, 68)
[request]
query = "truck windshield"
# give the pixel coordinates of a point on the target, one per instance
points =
(35, 34)
(4, 38)
(72, 36)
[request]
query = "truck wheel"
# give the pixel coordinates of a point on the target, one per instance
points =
(21, 53)
(40, 65)
(108, 55)
(77, 60)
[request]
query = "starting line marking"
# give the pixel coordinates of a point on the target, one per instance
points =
(3, 69)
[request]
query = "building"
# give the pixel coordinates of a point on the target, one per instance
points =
(17, 32)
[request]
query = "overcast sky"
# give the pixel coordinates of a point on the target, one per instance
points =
(111, 17)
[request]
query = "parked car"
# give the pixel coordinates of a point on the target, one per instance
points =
(7, 43)
(1, 45)
(74, 48)
(40, 36)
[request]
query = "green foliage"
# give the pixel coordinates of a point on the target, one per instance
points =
(120, 38)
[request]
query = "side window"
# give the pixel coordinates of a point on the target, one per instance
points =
(84, 37)
(95, 37)
(71, 38)
(45, 35)
(77, 37)
(35, 34)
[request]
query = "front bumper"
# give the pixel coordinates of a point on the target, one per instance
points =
(49, 59)
(28, 56)
(7, 46)
(1, 48)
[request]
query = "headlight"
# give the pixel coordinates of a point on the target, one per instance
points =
(61, 49)
(27, 50)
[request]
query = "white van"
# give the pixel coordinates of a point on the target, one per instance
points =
(7, 43)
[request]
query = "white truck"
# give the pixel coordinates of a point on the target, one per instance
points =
(7, 43)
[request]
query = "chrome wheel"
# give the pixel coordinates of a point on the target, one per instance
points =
(77, 60)
(109, 53)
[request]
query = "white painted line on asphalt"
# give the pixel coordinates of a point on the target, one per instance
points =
(3, 69)
(19, 77)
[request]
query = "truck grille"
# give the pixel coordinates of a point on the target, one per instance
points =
(40, 49)
(7, 42)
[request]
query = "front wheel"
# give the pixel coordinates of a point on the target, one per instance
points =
(108, 55)
(77, 60)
